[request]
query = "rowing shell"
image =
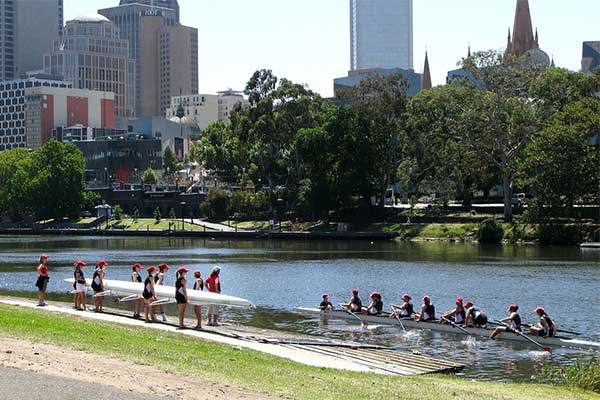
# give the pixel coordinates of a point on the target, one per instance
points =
(480, 332)
(166, 294)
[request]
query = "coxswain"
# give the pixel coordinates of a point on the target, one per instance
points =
(149, 294)
(42, 280)
(213, 284)
(355, 303)
(376, 305)
(326, 305)
(427, 313)
(457, 315)
(98, 284)
(513, 321)
(406, 310)
(159, 279)
(545, 327)
(474, 317)
(79, 285)
(181, 296)
(136, 277)
(198, 285)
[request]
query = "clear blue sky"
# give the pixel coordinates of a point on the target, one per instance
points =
(307, 41)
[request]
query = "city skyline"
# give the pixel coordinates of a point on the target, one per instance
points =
(281, 38)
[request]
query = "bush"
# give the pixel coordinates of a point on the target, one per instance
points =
(118, 213)
(216, 204)
(136, 215)
(583, 374)
(157, 215)
(555, 234)
(491, 231)
(172, 214)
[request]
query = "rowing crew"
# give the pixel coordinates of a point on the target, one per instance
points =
(463, 314)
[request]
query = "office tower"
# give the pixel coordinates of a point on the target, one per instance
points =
(590, 59)
(381, 34)
(93, 56)
(27, 30)
(166, 52)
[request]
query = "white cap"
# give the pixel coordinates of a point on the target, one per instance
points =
(216, 269)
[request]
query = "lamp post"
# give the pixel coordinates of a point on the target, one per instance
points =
(183, 204)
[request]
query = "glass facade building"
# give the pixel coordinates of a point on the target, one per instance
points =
(381, 34)
(92, 55)
(590, 56)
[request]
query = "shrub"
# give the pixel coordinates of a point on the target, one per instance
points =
(118, 213)
(136, 215)
(172, 214)
(556, 234)
(157, 215)
(216, 204)
(583, 374)
(491, 231)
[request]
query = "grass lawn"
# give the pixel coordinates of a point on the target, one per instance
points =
(253, 370)
(143, 224)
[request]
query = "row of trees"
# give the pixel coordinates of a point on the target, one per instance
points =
(513, 124)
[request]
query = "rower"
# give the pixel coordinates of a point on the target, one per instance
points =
(427, 313)
(213, 284)
(458, 314)
(475, 317)
(198, 285)
(376, 305)
(159, 279)
(513, 321)
(326, 305)
(406, 310)
(79, 285)
(545, 327)
(98, 284)
(355, 303)
(181, 295)
(149, 294)
(136, 277)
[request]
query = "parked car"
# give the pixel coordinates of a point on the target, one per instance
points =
(519, 199)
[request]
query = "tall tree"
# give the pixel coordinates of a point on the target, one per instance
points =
(170, 164)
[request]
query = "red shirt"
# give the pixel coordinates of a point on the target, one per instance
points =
(213, 283)
(43, 270)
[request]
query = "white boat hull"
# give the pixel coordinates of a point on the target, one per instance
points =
(167, 294)
(434, 326)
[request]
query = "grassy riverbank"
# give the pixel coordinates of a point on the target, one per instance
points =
(249, 369)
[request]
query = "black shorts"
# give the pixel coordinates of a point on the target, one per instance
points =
(42, 283)
(180, 299)
(480, 320)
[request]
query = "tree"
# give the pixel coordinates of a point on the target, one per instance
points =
(14, 181)
(90, 200)
(150, 177)
(136, 215)
(172, 214)
(157, 215)
(170, 165)
(118, 213)
(217, 203)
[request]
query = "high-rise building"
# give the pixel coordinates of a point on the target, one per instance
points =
(590, 59)
(27, 30)
(92, 55)
(381, 34)
(166, 52)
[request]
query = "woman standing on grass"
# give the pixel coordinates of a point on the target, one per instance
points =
(181, 295)
(198, 285)
(138, 304)
(149, 295)
(98, 284)
(159, 279)
(79, 285)
(42, 280)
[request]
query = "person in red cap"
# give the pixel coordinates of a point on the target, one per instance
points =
(545, 327)
(159, 279)
(79, 285)
(376, 305)
(326, 305)
(513, 321)
(406, 310)
(213, 284)
(474, 317)
(355, 303)
(98, 284)
(138, 304)
(427, 313)
(181, 296)
(458, 314)
(149, 294)
(42, 280)
(198, 285)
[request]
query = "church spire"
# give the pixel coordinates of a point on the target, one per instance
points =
(426, 78)
(469, 52)
(522, 38)
(537, 39)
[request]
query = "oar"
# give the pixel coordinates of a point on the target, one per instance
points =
(529, 326)
(545, 348)
(460, 328)
(395, 314)
(343, 307)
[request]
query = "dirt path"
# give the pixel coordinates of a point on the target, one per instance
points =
(48, 362)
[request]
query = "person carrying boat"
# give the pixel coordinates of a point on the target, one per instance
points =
(458, 314)
(42, 280)
(406, 310)
(79, 285)
(213, 283)
(427, 313)
(376, 305)
(513, 321)
(149, 294)
(98, 284)
(181, 296)
(159, 279)
(198, 285)
(138, 304)
(545, 327)
(474, 317)
(355, 303)
(326, 305)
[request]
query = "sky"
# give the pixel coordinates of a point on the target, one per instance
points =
(307, 41)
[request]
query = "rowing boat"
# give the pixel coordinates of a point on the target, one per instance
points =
(166, 294)
(435, 326)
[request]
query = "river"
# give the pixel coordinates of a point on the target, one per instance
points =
(279, 276)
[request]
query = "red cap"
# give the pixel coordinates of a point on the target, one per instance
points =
(44, 256)
(406, 297)
(375, 294)
(138, 265)
(101, 263)
(197, 272)
(325, 295)
(355, 292)
(469, 304)
(182, 270)
(426, 298)
(513, 308)
(151, 268)
(163, 266)
(539, 310)
(79, 263)
(459, 300)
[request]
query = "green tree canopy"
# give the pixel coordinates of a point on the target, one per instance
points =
(150, 177)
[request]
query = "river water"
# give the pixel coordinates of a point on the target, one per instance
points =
(279, 276)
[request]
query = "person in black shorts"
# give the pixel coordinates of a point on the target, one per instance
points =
(181, 295)
(198, 285)
(149, 295)
(42, 280)
(98, 284)
(136, 277)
